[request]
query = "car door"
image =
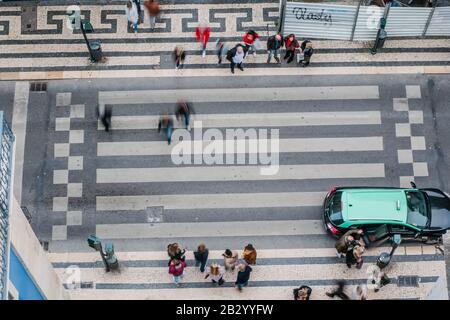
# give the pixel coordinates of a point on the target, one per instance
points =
(374, 232)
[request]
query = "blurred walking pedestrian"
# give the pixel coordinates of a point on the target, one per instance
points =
(215, 273)
(138, 9)
(176, 269)
(339, 292)
(175, 252)
(202, 33)
(274, 44)
(185, 110)
(346, 240)
(354, 256)
(251, 40)
(306, 52)
(178, 57)
(243, 276)
(230, 259)
(104, 114)
(359, 292)
(221, 49)
(154, 10)
(166, 122)
(249, 254)
(302, 293)
(132, 15)
(291, 45)
(236, 56)
(201, 256)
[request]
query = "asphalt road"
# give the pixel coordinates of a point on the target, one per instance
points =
(39, 189)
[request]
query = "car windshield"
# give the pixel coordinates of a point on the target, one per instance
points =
(336, 209)
(417, 209)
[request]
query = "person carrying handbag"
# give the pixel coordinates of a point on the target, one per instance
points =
(215, 273)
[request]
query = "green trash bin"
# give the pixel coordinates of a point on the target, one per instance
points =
(96, 50)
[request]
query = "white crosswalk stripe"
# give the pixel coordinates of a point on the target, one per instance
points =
(287, 119)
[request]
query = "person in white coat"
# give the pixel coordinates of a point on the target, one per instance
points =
(132, 15)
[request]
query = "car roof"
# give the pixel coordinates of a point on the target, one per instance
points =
(376, 204)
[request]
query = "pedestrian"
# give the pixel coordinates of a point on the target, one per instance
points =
(230, 259)
(236, 56)
(344, 242)
(202, 33)
(359, 292)
(251, 40)
(306, 53)
(215, 273)
(302, 293)
(221, 49)
(201, 256)
(249, 254)
(166, 122)
(138, 9)
(132, 15)
(185, 110)
(176, 269)
(339, 292)
(291, 45)
(243, 276)
(354, 256)
(175, 252)
(153, 10)
(178, 56)
(274, 44)
(104, 114)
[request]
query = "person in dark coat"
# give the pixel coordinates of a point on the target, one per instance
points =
(291, 45)
(236, 56)
(274, 44)
(104, 114)
(243, 276)
(201, 256)
(184, 110)
(344, 242)
(179, 55)
(307, 51)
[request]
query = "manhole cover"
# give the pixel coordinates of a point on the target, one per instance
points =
(408, 281)
(38, 86)
(154, 214)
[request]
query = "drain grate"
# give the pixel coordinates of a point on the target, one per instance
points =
(87, 285)
(408, 281)
(38, 86)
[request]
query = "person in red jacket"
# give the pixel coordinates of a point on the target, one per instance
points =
(176, 269)
(202, 33)
(291, 45)
(249, 40)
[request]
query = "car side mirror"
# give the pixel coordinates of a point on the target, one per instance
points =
(413, 184)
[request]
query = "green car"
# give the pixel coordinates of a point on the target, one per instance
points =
(382, 212)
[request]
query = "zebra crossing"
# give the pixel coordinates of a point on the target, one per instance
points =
(328, 136)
